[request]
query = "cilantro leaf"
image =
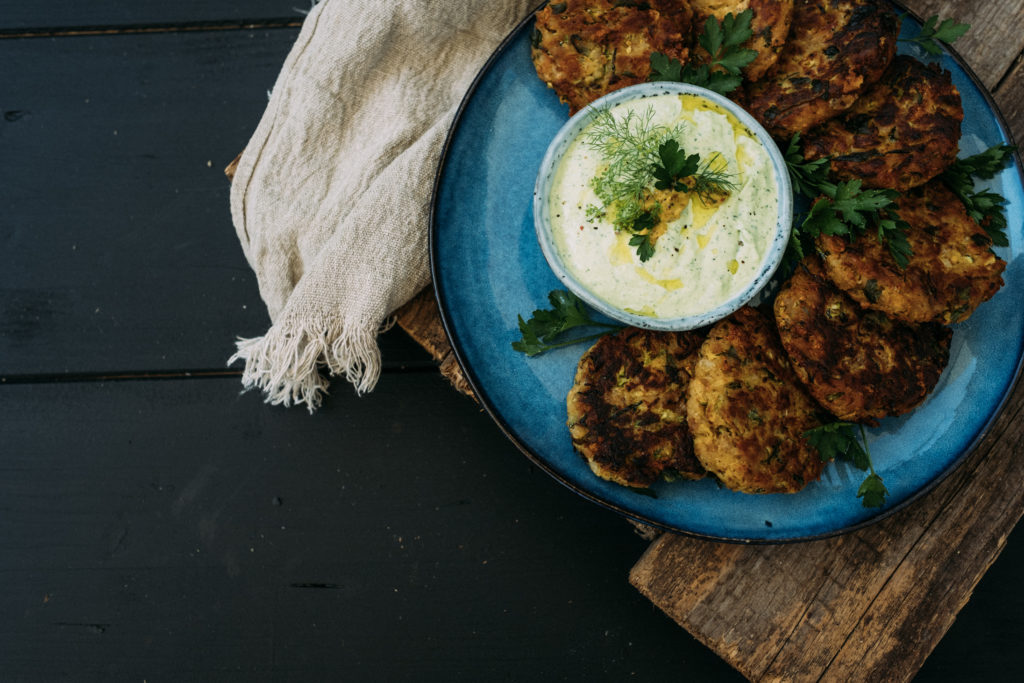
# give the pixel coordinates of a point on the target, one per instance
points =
(983, 206)
(567, 311)
(948, 31)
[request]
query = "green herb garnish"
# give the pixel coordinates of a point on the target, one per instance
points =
(722, 40)
(837, 441)
(983, 206)
(639, 157)
(546, 325)
(849, 212)
(809, 178)
(947, 31)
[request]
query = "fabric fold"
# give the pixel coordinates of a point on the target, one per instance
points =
(331, 196)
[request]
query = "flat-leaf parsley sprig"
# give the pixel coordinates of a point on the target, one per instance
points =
(850, 211)
(722, 39)
(543, 331)
(983, 206)
(837, 441)
(932, 31)
(809, 178)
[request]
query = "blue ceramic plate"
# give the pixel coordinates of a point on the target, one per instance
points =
(488, 269)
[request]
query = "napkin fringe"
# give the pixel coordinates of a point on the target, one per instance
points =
(285, 364)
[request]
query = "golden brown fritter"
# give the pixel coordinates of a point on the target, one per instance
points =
(836, 49)
(627, 408)
(769, 25)
(584, 49)
(951, 272)
(748, 411)
(858, 363)
(899, 134)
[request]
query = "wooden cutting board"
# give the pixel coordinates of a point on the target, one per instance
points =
(870, 605)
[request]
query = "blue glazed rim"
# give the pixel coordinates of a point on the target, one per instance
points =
(568, 134)
(482, 396)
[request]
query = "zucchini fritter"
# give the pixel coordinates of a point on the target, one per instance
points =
(748, 411)
(835, 51)
(899, 134)
(769, 25)
(584, 49)
(627, 408)
(858, 363)
(952, 270)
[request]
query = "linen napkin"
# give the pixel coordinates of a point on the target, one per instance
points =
(330, 198)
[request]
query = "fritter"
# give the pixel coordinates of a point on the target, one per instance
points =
(951, 272)
(627, 407)
(858, 363)
(899, 134)
(584, 49)
(834, 52)
(769, 25)
(748, 411)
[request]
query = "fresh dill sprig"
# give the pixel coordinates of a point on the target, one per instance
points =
(629, 147)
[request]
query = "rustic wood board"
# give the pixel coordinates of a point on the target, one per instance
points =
(869, 605)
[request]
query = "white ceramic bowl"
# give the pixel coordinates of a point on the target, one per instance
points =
(776, 245)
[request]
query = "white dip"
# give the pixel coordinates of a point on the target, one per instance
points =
(701, 258)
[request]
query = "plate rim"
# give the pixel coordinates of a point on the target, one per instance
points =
(485, 402)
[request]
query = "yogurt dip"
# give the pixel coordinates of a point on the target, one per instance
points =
(704, 252)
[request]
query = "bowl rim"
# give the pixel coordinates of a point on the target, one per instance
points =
(568, 133)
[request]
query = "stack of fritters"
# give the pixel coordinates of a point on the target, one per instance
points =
(952, 270)
(584, 49)
(858, 363)
(835, 51)
(899, 134)
(627, 407)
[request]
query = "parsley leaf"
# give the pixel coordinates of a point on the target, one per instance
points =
(809, 178)
(643, 244)
(983, 206)
(567, 311)
(675, 165)
(722, 40)
(849, 212)
(948, 31)
(838, 441)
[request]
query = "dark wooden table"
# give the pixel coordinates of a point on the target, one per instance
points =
(156, 525)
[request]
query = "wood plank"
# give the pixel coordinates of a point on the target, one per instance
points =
(23, 16)
(117, 251)
(994, 40)
(172, 530)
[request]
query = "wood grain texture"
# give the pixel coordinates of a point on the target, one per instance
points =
(16, 16)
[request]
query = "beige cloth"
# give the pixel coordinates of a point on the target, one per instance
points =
(331, 196)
